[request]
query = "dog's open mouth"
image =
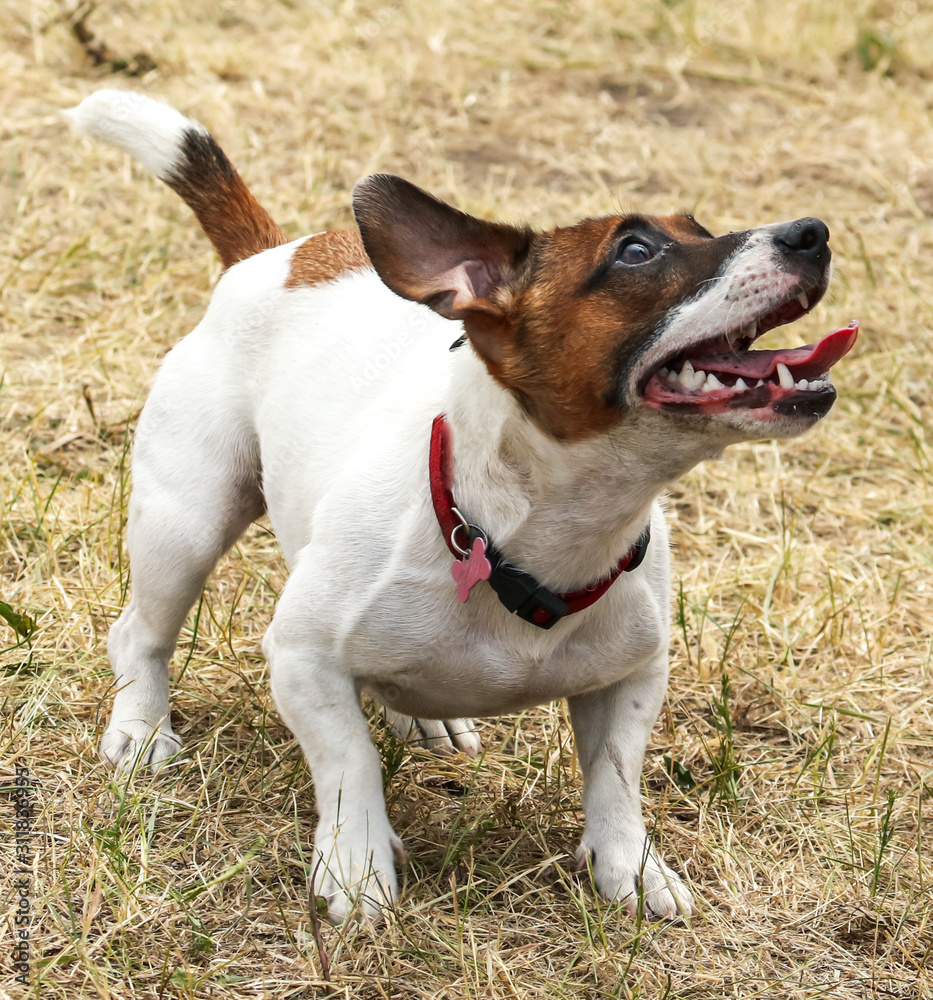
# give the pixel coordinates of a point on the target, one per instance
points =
(723, 374)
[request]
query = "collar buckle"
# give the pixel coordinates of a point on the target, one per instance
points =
(523, 595)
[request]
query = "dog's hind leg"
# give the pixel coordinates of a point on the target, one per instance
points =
(196, 487)
(439, 735)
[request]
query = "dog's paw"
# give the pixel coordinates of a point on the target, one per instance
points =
(136, 744)
(439, 735)
(636, 877)
(355, 880)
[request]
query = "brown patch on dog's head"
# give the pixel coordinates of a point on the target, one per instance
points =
(325, 257)
(586, 315)
(558, 317)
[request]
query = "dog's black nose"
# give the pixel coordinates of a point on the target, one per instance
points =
(805, 236)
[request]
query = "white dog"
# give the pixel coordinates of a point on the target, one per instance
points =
(521, 471)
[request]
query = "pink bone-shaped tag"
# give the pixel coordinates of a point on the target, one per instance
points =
(469, 571)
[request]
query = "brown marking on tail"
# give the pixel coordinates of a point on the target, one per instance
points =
(326, 256)
(233, 220)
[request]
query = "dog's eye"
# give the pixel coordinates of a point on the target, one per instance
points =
(634, 253)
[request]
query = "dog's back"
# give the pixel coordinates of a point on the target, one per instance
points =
(257, 363)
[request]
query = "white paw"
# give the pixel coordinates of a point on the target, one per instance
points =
(355, 879)
(439, 735)
(630, 875)
(133, 744)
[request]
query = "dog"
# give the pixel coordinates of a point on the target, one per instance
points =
(470, 529)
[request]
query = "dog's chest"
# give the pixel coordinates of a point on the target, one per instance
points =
(435, 670)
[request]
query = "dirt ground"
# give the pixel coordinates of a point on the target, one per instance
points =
(791, 772)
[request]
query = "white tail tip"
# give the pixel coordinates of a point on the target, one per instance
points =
(146, 129)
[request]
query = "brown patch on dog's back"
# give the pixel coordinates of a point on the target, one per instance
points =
(326, 256)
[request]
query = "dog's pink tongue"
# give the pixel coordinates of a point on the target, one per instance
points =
(807, 362)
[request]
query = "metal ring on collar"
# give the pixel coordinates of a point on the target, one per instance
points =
(453, 538)
(470, 529)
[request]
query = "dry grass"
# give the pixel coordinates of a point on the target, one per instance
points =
(800, 702)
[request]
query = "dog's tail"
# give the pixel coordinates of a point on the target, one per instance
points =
(182, 153)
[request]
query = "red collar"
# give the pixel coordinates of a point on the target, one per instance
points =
(517, 590)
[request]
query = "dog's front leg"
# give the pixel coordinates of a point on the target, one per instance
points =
(611, 728)
(355, 847)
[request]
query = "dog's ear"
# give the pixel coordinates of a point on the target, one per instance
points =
(428, 251)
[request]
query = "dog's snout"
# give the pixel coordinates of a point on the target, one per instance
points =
(804, 236)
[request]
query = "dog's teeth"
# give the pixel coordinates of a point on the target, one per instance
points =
(803, 300)
(803, 384)
(760, 381)
(664, 373)
(784, 376)
(691, 379)
(711, 383)
(746, 332)
(740, 385)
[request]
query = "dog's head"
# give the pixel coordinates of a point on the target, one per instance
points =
(620, 317)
